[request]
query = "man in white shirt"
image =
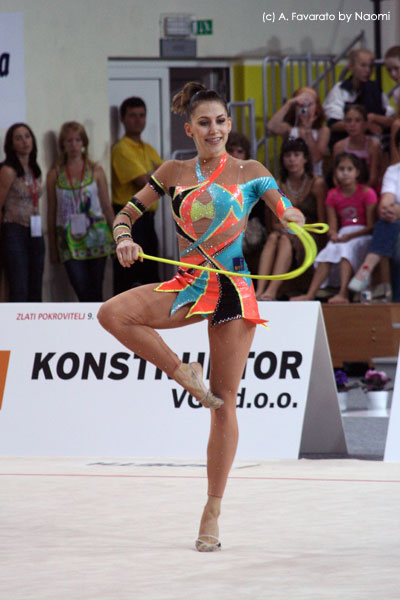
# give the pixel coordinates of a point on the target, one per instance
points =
(358, 89)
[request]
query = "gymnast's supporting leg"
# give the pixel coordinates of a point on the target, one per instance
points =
(132, 318)
(229, 348)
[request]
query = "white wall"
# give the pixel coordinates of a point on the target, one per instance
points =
(68, 43)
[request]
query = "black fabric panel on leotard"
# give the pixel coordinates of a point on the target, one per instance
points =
(182, 233)
(229, 306)
(178, 199)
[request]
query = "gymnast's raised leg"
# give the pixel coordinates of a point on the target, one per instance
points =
(132, 318)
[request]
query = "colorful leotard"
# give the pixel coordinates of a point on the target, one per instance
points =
(219, 246)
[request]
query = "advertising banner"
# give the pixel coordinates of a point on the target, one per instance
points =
(392, 449)
(12, 77)
(68, 388)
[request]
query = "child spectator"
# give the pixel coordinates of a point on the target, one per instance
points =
(351, 210)
(365, 147)
(303, 116)
(238, 145)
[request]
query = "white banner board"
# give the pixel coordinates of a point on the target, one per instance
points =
(12, 76)
(71, 389)
(392, 448)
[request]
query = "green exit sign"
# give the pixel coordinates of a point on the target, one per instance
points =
(202, 27)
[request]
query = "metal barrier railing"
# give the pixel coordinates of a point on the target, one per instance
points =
(308, 66)
(183, 154)
(244, 121)
(282, 76)
(271, 63)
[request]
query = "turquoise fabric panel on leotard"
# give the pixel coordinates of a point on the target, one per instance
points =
(230, 205)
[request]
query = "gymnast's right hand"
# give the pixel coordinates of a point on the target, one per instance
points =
(128, 253)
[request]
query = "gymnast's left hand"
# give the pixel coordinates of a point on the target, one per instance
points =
(128, 253)
(293, 215)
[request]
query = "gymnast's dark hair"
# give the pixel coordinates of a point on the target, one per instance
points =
(12, 159)
(191, 95)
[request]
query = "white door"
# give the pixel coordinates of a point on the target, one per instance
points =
(130, 78)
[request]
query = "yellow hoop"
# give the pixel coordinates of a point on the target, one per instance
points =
(310, 252)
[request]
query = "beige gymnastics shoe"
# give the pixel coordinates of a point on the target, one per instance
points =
(203, 546)
(190, 376)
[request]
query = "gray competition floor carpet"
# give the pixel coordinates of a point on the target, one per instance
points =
(107, 529)
(123, 529)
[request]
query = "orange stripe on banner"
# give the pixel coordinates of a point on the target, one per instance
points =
(4, 360)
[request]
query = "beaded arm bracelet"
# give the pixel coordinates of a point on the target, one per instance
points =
(122, 230)
(137, 205)
(121, 237)
(157, 186)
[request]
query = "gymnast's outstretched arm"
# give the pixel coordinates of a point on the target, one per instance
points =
(127, 249)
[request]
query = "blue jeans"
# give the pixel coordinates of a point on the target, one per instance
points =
(86, 277)
(23, 258)
(386, 242)
(395, 271)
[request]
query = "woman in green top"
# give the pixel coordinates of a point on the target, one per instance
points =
(80, 215)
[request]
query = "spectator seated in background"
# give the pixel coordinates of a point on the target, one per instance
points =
(255, 234)
(306, 192)
(365, 147)
(386, 236)
(358, 89)
(351, 212)
(392, 64)
(238, 145)
(303, 116)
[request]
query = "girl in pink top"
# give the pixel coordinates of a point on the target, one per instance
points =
(365, 147)
(351, 215)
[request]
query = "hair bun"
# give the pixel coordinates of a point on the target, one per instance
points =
(181, 100)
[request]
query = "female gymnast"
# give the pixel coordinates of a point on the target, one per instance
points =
(212, 196)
